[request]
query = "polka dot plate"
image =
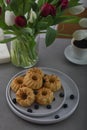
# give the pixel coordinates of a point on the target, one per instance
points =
(67, 106)
(36, 109)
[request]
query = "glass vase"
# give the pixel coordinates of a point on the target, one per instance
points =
(24, 52)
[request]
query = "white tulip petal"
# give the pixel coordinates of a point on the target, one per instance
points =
(36, 1)
(76, 10)
(9, 18)
(1, 35)
(33, 16)
(83, 22)
(80, 34)
(54, 27)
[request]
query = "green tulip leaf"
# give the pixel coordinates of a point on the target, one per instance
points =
(50, 36)
(7, 40)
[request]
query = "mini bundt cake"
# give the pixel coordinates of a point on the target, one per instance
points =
(52, 82)
(33, 80)
(17, 83)
(35, 70)
(25, 96)
(44, 96)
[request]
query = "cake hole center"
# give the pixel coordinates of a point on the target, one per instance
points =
(34, 78)
(24, 96)
(52, 80)
(20, 81)
(44, 93)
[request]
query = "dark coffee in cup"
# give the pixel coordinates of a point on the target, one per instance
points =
(81, 43)
(79, 49)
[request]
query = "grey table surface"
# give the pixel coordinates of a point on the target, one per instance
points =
(52, 57)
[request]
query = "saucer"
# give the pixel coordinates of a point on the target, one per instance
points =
(43, 110)
(68, 52)
(68, 107)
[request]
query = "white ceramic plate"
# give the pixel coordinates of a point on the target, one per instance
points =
(69, 55)
(42, 111)
(69, 106)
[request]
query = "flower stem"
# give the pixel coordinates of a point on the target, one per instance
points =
(23, 52)
(67, 35)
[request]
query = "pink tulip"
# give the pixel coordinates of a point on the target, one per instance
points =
(48, 9)
(20, 21)
(8, 1)
(64, 4)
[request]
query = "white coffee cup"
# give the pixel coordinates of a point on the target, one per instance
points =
(78, 52)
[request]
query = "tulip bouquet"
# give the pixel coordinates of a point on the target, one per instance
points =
(25, 19)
